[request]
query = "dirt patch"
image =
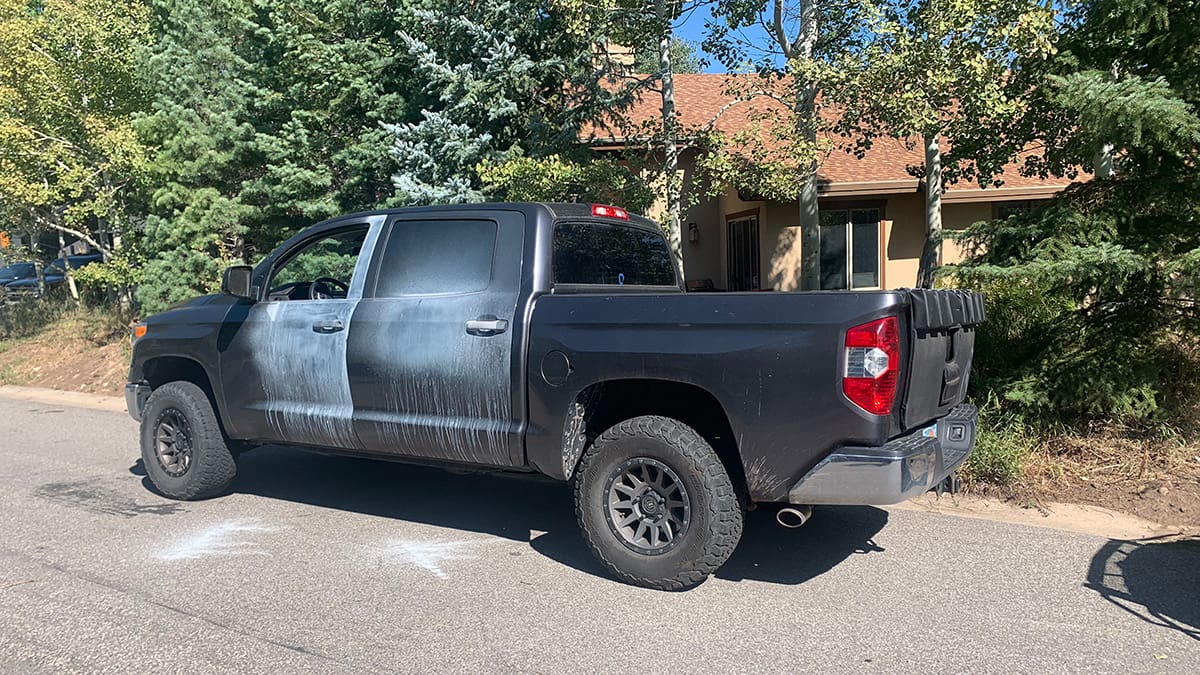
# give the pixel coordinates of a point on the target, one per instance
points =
(1167, 501)
(77, 353)
(1083, 518)
(1152, 478)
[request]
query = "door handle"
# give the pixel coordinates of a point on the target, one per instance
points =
(328, 326)
(487, 326)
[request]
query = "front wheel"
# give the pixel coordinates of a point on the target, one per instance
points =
(656, 505)
(183, 448)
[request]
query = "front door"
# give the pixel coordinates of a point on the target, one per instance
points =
(284, 368)
(432, 342)
(742, 253)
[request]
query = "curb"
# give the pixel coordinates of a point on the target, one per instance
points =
(74, 399)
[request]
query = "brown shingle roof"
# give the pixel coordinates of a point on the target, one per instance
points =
(700, 97)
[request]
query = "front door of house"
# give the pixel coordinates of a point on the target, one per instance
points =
(742, 253)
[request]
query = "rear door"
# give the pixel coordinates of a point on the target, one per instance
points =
(433, 342)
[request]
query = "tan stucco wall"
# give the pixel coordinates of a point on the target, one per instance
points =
(702, 259)
(958, 217)
(779, 244)
(778, 241)
(904, 235)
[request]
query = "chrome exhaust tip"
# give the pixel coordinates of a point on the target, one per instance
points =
(793, 517)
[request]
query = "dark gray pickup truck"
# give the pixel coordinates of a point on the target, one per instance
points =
(557, 339)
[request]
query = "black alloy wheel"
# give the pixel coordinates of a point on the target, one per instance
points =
(647, 505)
(173, 442)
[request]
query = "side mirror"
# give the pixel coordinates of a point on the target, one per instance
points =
(236, 281)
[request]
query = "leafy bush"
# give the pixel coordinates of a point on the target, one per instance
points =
(558, 179)
(1002, 444)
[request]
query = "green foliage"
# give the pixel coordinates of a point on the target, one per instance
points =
(1003, 442)
(1088, 311)
(266, 118)
(944, 67)
(69, 159)
(1093, 298)
(29, 315)
(558, 179)
(333, 257)
(124, 269)
(493, 80)
(684, 57)
(1124, 74)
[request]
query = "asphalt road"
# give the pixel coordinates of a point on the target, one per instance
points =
(326, 564)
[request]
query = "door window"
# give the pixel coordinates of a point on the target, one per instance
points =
(437, 257)
(849, 248)
(320, 269)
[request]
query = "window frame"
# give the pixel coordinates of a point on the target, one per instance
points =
(1015, 206)
(287, 256)
(880, 241)
(567, 287)
(371, 284)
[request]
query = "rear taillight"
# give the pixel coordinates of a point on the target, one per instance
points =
(872, 365)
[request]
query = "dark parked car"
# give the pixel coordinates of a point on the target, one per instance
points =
(17, 272)
(54, 274)
(558, 339)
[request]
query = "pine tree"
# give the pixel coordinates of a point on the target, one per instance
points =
(265, 118)
(492, 81)
(1094, 296)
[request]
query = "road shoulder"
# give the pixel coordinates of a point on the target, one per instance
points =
(75, 399)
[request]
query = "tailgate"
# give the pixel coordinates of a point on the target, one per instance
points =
(941, 335)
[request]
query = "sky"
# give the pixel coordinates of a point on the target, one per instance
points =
(691, 27)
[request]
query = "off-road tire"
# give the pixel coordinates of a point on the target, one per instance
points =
(716, 516)
(212, 466)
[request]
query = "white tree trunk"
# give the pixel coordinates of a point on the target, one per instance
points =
(933, 211)
(806, 127)
(1102, 164)
(674, 186)
(810, 215)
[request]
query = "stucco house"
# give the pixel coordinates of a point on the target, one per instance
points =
(872, 209)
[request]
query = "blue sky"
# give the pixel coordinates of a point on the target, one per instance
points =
(691, 27)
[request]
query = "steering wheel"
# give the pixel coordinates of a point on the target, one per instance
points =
(325, 288)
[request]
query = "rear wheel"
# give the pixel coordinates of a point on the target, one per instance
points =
(183, 448)
(655, 504)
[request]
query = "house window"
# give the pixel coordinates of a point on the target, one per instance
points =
(1006, 209)
(849, 248)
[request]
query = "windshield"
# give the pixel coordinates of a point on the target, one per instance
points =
(17, 271)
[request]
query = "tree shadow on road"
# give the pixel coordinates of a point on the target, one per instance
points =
(1156, 582)
(512, 506)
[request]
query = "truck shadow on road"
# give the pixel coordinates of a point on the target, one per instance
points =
(1156, 582)
(513, 506)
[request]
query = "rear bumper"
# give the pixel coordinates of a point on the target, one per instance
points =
(136, 394)
(899, 470)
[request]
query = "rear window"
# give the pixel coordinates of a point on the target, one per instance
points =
(614, 255)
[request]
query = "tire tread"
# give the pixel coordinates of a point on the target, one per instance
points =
(213, 464)
(725, 510)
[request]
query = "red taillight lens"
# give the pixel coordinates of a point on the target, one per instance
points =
(872, 365)
(609, 212)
